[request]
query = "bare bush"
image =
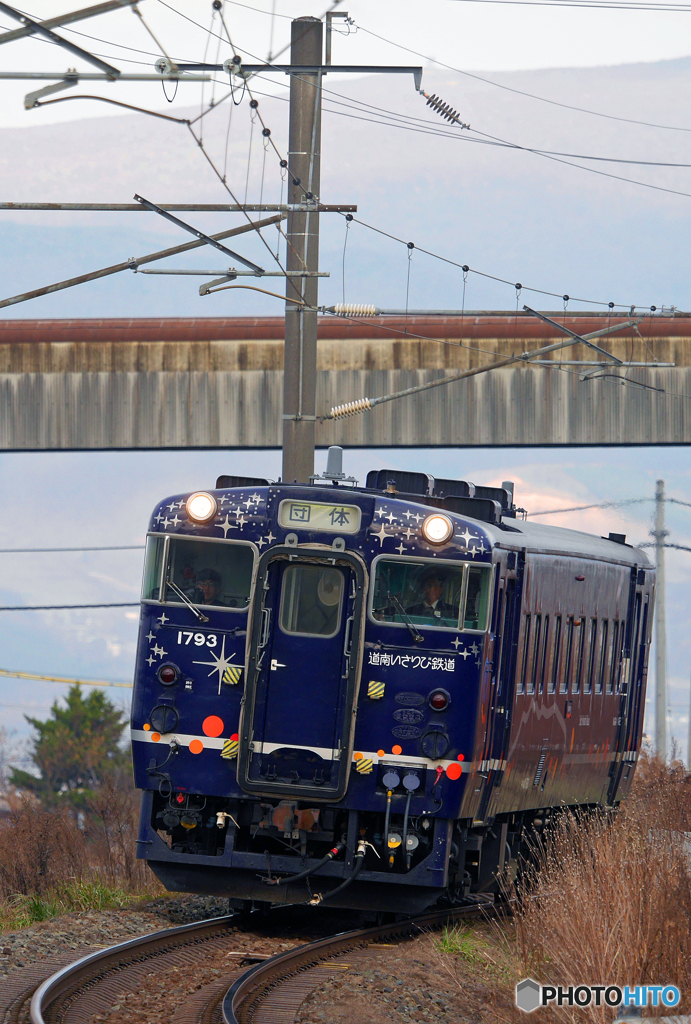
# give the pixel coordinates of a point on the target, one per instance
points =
(39, 849)
(608, 898)
(113, 822)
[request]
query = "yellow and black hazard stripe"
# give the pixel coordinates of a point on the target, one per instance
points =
(364, 766)
(232, 675)
(375, 691)
(230, 749)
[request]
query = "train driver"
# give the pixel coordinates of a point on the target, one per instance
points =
(208, 588)
(432, 606)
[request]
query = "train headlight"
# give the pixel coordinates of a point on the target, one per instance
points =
(201, 507)
(437, 529)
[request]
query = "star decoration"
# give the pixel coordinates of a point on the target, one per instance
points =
(248, 502)
(408, 515)
(464, 654)
(401, 548)
(173, 506)
(163, 619)
(256, 498)
(270, 537)
(225, 526)
(381, 535)
(380, 511)
(150, 636)
(456, 643)
(391, 517)
(158, 651)
(241, 521)
(260, 543)
(467, 536)
(475, 649)
(165, 522)
(175, 521)
(150, 659)
(417, 517)
(219, 664)
(223, 499)
(159, 518)
(408, 533)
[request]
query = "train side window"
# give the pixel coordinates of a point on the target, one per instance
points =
(213, 573)
(592, 644)
(537, 633)
(576, 685)
(556, 651)
(477, 598)
(153, 563)
(611, 675)
(526, 654)
(311, 600)
(602, 670)
(564, 684)
(620, 656)
(543, 656)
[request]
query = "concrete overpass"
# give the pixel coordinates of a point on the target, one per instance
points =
(217, 383)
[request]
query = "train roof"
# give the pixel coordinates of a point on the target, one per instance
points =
(541, 538)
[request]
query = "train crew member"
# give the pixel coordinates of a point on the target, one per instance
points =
(208, 588)
(432, 606)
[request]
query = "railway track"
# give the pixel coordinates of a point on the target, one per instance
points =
(246, 988)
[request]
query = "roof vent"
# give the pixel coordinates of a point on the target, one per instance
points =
(617, 538)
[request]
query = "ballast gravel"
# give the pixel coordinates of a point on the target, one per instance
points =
(82, 930)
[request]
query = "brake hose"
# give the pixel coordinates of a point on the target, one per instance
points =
(318, 898)
(334, 852)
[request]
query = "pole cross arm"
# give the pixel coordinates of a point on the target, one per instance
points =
(578, 337)
(236, 68)
(200, 234)
(65, 19)
(38, 28)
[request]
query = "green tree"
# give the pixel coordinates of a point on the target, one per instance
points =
(74, 749)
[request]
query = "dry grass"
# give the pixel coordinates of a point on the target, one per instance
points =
(55, 861)
(608, 899)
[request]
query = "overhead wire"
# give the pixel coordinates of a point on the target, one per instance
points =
(522, 92)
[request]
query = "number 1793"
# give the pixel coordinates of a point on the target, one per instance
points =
(186, 636)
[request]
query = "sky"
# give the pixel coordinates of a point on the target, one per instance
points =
(471, 35)
(536, 222)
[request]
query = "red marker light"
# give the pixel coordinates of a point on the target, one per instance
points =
(167, 674)
(438, 700)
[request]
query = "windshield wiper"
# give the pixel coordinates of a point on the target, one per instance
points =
(183, 597)
(417, 637)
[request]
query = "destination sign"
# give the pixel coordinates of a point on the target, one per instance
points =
(312, 515)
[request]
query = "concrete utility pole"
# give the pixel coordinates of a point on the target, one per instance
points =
(659, 534)
(304, 162)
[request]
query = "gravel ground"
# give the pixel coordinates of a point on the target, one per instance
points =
(84, 929)
(412, 983)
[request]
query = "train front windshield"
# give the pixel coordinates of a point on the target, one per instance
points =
(211, 573)
(443, 595)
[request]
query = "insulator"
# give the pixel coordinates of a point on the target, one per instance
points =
(354, 309)
(444, 109)
(351, 408)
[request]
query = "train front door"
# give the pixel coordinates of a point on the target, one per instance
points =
(303, 675)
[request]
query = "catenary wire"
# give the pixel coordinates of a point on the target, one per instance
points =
(32, 551)
(521, 92)
(64, 607)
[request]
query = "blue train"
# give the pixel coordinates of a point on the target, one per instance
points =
(369, 695)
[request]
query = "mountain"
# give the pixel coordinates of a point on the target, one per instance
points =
(512, 214)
